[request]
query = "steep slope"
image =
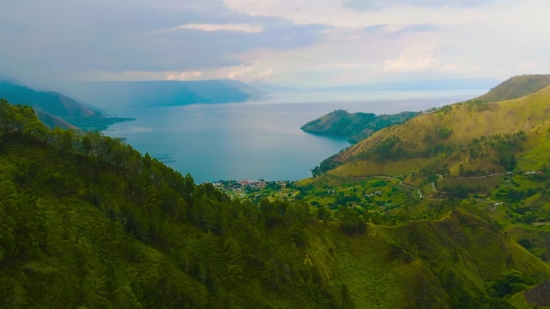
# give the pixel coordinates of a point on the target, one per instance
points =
(55, 109)
(53, 103)
(162, 93)
(355, 126)
(52, 121)
(241, 86)
(86, 221)
(475, 135)
(516, 87)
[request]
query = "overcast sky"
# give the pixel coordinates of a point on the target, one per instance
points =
(305, 43)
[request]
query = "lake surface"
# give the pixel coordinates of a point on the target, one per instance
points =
(261, 138)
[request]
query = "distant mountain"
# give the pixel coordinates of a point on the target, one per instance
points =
(355, 126)
(516, 87)
(269, 88)
(56, 109)
(450, 84)
(248, 89)
(162, 93)
(53, 103)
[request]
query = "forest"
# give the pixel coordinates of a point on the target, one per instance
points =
(86, 221)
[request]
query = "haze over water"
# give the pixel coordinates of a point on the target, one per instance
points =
(261, 138)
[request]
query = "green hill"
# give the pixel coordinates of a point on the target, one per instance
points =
(464, 139)
(355, 126)
(88, 222)
(56, 109)
(516, 87)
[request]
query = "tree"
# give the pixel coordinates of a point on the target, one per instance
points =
(347, 302)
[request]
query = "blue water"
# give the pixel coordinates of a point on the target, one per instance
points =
(261, 138)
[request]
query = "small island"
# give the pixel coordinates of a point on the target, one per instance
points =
(354, 126)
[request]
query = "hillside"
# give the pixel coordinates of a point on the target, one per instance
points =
(355, 126)
(56, 109)
(163, 93)
(470, 138)
(516, 87)
(88, 222)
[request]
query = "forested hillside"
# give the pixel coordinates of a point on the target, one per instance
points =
(88, 222)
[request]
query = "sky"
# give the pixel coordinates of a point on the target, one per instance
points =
(304, 43)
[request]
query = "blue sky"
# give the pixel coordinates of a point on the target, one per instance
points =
(306, 43)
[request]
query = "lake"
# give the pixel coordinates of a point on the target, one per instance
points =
(260, 138)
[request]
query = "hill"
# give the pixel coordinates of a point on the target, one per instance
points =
(56, 109)
(516, 87)
(163, 93)
(355, 126)
(88, 222)
(469, 138)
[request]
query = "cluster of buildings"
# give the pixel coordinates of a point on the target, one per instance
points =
(239, 185)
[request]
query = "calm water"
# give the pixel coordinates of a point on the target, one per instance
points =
(260, 138)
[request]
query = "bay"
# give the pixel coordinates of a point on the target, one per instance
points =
(260, 138)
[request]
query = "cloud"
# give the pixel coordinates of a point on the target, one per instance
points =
(248, 28)
(375, 28)
(365, 5)
(411, 60)
(308, 43)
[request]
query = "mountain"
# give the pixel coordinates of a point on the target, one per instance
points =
(55, 109)
(468, 138)
(450, 84)
(248, 89)
(162, 93)
(53, 103)
(269, 88)
(516, 87)
(52, 121)
(88, 222)
(355, 126)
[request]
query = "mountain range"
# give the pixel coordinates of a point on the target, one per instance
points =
(162, 93)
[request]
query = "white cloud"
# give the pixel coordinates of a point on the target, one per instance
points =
(248, 28)
(412, 60)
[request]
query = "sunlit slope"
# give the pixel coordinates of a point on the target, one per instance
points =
(517, 87)
(456, 126)
(419, 264)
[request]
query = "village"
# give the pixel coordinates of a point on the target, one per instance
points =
(245, 185)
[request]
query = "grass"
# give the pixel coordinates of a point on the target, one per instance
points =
(517, 87)
(466, 121)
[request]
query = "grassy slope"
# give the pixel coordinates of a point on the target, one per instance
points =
(468, 121)
(517, 87)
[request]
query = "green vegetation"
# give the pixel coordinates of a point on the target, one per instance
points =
(516, 87)
(355, 126)
(88, 222)
(467, 139)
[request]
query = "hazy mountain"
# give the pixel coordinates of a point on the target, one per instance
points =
(450, 84)
(162, 93)
(56, 109)
(269, 88)
(50, 102)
